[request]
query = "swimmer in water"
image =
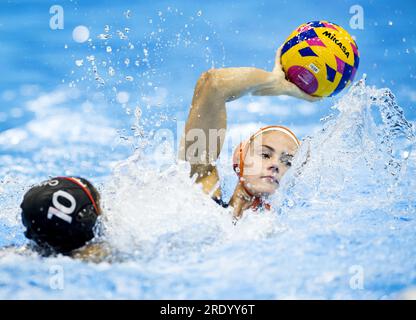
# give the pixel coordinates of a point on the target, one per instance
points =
(262, 160)
(60, 217)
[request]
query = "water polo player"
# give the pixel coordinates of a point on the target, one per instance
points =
(61, 213)
(262, 160)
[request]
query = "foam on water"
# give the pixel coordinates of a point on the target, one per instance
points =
(360, 156)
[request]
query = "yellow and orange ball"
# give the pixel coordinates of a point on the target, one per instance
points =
(320, 57)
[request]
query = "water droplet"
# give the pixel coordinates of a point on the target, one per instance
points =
(79, 62)
(127, 14)
(111, 71)
(138, 112)
(121, 35)
(199, 13)
(108, 49)
(129, 78)
(100, 80)
(127, 61)
(104, 36)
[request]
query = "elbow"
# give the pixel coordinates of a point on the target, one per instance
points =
(208, 79)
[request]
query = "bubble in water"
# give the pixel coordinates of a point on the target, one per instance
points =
(90, 58)
(106, 28)
(129, 78)
(390, 23)
(79, 62)
(137, 63)
(131, 46)
(108, 49)
(127, 61)
(199, 13)
(111, 71)
(80, 34)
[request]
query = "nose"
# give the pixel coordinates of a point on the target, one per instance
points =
(274, 168)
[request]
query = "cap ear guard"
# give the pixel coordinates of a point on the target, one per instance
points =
(237, 158)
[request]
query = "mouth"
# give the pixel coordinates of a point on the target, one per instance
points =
(270, 179)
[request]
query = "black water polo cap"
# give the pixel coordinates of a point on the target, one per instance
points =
(61, 212)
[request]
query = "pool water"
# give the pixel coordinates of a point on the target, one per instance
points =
(111, 109)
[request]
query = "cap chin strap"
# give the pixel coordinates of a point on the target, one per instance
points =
(258, 201)
(86, 191)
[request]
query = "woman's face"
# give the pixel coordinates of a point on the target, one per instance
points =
(267, 160)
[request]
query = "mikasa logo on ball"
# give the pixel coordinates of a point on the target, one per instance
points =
(337, 42)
